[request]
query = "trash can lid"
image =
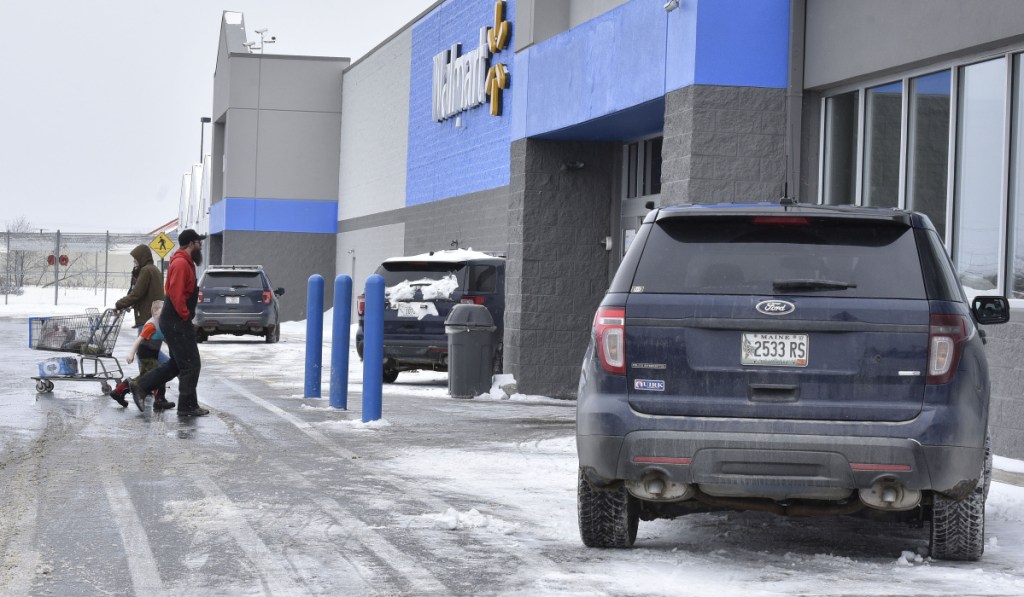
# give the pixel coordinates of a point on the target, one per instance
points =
(469, 316)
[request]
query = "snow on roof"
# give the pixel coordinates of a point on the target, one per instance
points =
(449, 256)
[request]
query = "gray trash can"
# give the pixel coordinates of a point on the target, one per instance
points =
(471, 347)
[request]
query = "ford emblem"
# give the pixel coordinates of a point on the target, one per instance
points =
(775, 307)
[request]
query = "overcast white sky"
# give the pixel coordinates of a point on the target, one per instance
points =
(100, 101)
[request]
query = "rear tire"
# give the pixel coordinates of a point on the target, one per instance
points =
(988, 464)
(390, 375)
(958, 527)
(273, 334)
(608, 516)
(201, 336)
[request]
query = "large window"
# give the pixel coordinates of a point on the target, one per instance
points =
(928, 146)
(883, 110)
(1016, 222)
(981, 120)
(642, 168)
(841, 127)
(948, 143)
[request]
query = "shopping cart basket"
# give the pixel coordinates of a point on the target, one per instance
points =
(91, 337)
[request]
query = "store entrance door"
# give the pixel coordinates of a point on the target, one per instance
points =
(641, 184)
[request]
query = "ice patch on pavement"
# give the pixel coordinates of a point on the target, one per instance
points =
(453, 520)
(354, 424)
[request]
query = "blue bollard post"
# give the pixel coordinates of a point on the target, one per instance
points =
(339, 341)
(314, 335)
(373, 348)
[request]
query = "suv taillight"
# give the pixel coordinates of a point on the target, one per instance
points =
(361, 304)
(946, 337)
(267, 296)
(610, 336)
(471, 300)
(199, 298)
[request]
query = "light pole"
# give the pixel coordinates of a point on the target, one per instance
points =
(202, 123)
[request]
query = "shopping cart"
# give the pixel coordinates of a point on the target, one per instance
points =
(91, 337)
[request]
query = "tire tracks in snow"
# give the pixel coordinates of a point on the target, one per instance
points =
(24, 476)
(533, 562)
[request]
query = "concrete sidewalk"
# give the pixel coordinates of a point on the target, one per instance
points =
(1009, 477)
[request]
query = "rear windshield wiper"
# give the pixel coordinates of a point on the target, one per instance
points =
(810, 284)
(239, 285)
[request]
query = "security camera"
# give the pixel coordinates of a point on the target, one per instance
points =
(671, 5)
(261, 31)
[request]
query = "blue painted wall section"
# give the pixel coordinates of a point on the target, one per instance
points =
(445, 161)
(637, 52)
(607, 64)
(742, 43)
(274, 215)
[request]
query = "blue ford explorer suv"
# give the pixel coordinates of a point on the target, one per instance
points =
(797, 359)
(420, 291)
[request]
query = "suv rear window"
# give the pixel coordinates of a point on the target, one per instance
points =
(402, 271)
(233, 280)
(753, 255)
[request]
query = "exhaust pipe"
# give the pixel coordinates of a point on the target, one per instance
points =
(890, 496)
(655, 487)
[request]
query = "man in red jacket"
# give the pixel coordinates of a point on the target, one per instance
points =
(179, 333)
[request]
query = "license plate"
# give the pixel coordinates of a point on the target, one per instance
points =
(417, 310)
(231, 300)
(774, 350)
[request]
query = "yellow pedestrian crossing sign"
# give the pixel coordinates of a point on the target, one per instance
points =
(162, 244)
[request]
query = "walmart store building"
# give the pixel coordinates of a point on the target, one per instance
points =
(539, 129)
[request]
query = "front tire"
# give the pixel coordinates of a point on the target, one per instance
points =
(390, 375)
(608, 516)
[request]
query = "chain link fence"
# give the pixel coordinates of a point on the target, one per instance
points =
(70, 260)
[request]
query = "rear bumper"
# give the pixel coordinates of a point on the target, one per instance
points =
(779, 466)
(233, 321)
(413, 354)
(941, 449)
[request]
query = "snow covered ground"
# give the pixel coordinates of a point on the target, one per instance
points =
(519, 496)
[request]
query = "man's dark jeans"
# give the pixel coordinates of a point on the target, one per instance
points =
(184, 364)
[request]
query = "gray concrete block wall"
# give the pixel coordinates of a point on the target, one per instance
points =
(723, 144)
(476, 221)
(1006, 414)
(289, 260)
(557, 271)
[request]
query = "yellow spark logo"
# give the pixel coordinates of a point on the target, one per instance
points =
(497, 75)
(497, 36)
(497, 79)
